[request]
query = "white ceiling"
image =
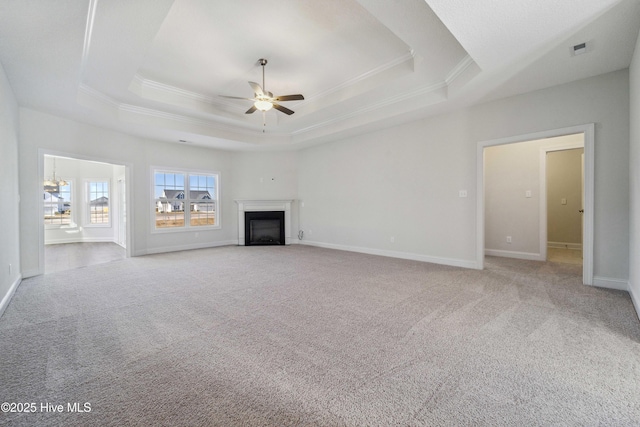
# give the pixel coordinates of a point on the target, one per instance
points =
(156, 68)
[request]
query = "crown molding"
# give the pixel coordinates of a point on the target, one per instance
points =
(87, 90)
(460, 68)
(421, 92)
(140, 84)
(143, 83)
(408, 57)
(91, 15)
(92, 98)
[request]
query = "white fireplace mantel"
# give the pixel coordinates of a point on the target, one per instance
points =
(248, 205)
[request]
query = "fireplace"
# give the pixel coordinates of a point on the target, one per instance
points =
(264, 228)
(278, 213)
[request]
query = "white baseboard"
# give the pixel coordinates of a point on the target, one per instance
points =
(31, 273)
(82, 240)
(514, 254)
(204, 245)
(7, 298)
(609, 283)
(635, 298)
(565, 245)
(395, 254)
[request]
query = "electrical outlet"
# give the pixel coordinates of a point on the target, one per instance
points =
(527, 194)
(393, 239)
(462, 193)
(508, 239)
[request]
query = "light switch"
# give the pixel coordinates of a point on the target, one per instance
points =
(462, 193)
(563, 201)
(527, 194)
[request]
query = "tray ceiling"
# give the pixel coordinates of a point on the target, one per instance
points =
(156, 68)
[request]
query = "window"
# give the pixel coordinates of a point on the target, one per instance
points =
(184, 200)
(57, 204)
(202, 204)
(98, 200)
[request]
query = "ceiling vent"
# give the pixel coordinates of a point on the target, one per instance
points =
(579, 49)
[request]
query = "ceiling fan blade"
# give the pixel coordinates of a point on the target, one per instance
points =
(289, 98)
(283, 109)
(235, 97)
(257, 89)
(251, 110)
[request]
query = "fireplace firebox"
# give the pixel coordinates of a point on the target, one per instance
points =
(264, 228)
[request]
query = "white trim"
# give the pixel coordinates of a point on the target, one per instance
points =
(143, 83)
(82, 240)
(31, 273)
(565, 245)
(250, 205)
(636, 301)
(394, 254)
(91, 15)
(589, 184)
(75, 206)
(542, 215)
(407, 57)
(128, 173)
(515, 254)
(187, 227)
(400, 97)
(86, 203)
(610, 283)
(167, 249)
(460, 68)
(7, 297)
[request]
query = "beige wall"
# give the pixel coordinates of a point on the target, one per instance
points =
(393, 191)
(564, 184)
(511, 171)
(402, 183)
(242, 175)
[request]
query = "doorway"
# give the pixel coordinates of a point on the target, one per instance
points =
(539, 251)
(84, 213)
(565, 205)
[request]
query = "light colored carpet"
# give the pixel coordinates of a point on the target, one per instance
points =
(302, 336)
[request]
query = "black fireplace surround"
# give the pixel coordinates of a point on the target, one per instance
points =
(264, 228)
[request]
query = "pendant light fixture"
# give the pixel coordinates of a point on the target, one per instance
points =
(53, 182)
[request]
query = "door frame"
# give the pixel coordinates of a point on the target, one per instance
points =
(128, 168)
(588, 130)
(543, 194)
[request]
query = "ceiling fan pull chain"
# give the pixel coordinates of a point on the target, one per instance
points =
(263, 62)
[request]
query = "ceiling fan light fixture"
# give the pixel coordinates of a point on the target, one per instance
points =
(263, 105)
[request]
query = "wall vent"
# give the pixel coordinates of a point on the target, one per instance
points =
(579, 49)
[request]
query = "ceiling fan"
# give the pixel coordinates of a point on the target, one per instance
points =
(264, 100)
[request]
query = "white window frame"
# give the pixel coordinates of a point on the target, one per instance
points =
(187, 202)
(74, 208)
(87, 202)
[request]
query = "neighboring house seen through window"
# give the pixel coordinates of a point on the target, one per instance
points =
(98, 200)
(57, 204)
(184, 199)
